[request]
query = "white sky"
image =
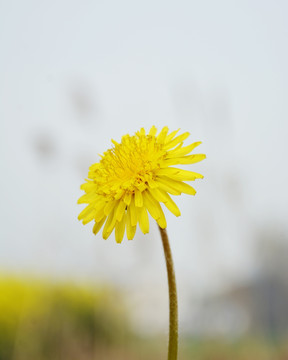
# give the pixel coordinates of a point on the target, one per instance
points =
(217, 69)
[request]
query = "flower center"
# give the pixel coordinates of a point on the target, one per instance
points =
(128, 166)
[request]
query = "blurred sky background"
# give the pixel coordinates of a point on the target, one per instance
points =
(74, 74)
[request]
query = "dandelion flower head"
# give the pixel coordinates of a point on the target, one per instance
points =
(133, 178)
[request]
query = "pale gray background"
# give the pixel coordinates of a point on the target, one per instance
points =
(75, 74)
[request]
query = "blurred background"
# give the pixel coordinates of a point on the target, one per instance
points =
(76, 74)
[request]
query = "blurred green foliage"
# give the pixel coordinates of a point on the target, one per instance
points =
(47, 321)
(40, 320)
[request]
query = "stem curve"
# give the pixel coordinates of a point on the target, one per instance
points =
(173, 306)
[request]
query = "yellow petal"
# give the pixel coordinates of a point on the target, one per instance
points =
(114, 142)
(153, 131)
(120, 210)
(97, 226)
(171, 144)
(87, 198)
(109, 206)
(127, 198)
(190, 159)
(109, 225)
(119, 194)
(141, 132)
(162, 196)
(162, 135)
(138, 198)
(179, 186)
(152, 184)
(86, 211)
(159, 195)
(88, 186)
(179, 174)
(120, 229)
(170, 204)
(99, 214)
(183, 150)
(171, 136)
(165, 184)
(152, 205)
(89, 217)
(143, 219)
(130, 230)
(162, 222)
(133, 212)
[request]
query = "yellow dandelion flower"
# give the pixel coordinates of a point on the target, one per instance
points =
(133, 178)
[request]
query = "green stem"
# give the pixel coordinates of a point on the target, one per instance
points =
(173, 307)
